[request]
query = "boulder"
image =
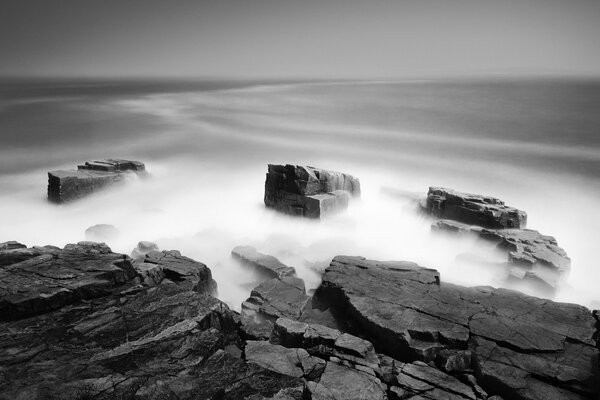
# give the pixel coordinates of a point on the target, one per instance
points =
(42, 279)
(159, 265)
(340, 382)
(291, 362)
(275, 298)
(101, 233)
(11, 245)
(143, 247)
(473, 209)
(531, 256)
(521, 345)
(68, 185)
(307, 191)
(264, 264)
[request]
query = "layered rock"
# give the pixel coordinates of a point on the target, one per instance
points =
(532, 257)
(473, 209)
(67, 185)
(520, 346)
(265, 265)
(307, 191)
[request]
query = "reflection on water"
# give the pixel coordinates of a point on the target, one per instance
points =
(533, 144)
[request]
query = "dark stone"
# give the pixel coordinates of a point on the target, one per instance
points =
(67, 185)
(473, 209)
(307, 191)
(522, 346)
(531, 256)
(454, 360)
(11, 245)
(266, 265)
(286, 361)
(339, 382)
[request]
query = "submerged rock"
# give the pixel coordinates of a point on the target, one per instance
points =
(266, 265)
(473, 209)
(101, 233)
(67, 185)
(307, 191)
(521, 346)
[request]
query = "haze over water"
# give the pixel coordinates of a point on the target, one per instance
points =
(534, 143)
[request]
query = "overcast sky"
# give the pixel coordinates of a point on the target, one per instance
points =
(300, 38)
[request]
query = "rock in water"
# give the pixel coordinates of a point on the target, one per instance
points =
(101, 233)
(143, 247)
(484, 211)
(67, 185)
(307, 191)
(265, 265)
(521, 346)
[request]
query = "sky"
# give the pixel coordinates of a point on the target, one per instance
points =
(297, 39)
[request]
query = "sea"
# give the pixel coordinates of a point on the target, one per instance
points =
(533, 142)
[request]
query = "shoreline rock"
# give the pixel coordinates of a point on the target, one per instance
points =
(307, 191)
(92, 176)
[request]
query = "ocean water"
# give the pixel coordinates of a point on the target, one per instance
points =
(535, 143)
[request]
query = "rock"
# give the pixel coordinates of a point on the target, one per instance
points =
(68, 185)
(143, 247)
(307, 191)
(266, 265)
(522, 346)
(339, 382)
(101, 233)
(454, 360)
(531, 256)
(42, 279)
(484, 211)
(291, 362)
(275, 298)
(11, 245)
(158, 265)
(426, 382)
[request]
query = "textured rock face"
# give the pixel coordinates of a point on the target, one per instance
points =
(484, 211)
(266, 265)
(532, 257)
(521, 346)
(307, 191)
(41, 279)
(67, 185)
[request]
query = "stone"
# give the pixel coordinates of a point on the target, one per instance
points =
(158, 265)
(275, 298)
(101, 233)
(11, 245)
(42, 279)
(521, 346)
(307, 191)
(286, 361)
(143, 247)
(473, 209)
(264, 264)
(452, 360)
(531, 256)
(339, 382)
(68, 185)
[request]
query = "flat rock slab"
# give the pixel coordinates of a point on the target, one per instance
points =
(531, 255)
(118, 345)
(41, 279)
(92, 176)
(265, 265)
(521, 345)
(307, 191)
(473, 209)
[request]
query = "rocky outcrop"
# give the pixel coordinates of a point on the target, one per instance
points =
(159, 265)
(265, 265)
(68, 185)
(143, 248)
(473, 209)
(532, 257)
(307, 191)
(41, 279)
(520, 346)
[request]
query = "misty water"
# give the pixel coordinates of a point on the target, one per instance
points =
(533, 143)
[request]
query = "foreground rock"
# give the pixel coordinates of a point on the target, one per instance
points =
(532, 257)
(67, 185)
(520, 346)
(307, 191)
(41, 279)
(265, 265)
(484, 211)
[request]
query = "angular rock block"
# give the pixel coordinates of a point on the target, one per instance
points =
(307, 191)
(484, 211)
(266, 265)
(67, 185)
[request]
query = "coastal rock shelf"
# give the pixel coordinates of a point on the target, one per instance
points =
(473, 209)
(307, 191)
(68, 185)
